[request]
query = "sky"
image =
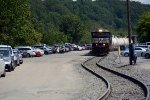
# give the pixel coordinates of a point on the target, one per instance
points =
(143, 1)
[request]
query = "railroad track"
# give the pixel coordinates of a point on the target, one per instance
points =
(104, 95)
(119, 86)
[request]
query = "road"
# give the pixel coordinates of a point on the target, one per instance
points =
(52, 77)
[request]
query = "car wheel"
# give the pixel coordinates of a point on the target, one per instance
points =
(126, 54)
(46, 53)
(13, 66)
(4, 74)
(9, 68)
(28, 55)
(21, 62)
(18, 64)
(147, 56)
(142, 54)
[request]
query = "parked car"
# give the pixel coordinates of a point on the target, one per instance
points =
(62, 49)
(77, 48)
(8, 59)
(23, 53)
(147, 47)
(138, 50)
(146, 54)
(2, 67)
(69, 47)
(148, 43)
(8, 56)
(29, 50)
(44, 48)
(40, 51)
(89, 47)
(16, 57)
(19, 58)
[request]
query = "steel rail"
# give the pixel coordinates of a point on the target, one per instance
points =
(108, 90)
(141, 84)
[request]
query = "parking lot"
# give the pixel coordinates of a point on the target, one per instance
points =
(51, 77)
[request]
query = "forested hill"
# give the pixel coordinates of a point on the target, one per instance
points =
(27, 22)
(111, 14)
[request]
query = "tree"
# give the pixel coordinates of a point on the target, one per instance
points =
(72, 27)
(143, 28)
(15, 23)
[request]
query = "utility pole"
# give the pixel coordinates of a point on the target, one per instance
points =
(129, 33)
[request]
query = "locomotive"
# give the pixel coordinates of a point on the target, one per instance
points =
(101, 42)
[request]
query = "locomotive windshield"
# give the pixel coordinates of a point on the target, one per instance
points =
(101, 37)
(101, 42)
(101, 34)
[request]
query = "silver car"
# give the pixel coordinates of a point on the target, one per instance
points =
(8, 56)
(18, 57)
(138, 50)
(8, 59)
(146, 54)
(2, 67)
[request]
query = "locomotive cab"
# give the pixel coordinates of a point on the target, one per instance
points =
(101, 42)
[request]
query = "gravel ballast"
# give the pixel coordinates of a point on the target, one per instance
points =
(122, 89)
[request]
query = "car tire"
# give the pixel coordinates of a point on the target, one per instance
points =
(46, 53)
(28, 55)
(9, 68)
(18, 64)
(4, 74)
(147, 56)
(21, 62)
(13, 66)
(141, 54)
(126, 54)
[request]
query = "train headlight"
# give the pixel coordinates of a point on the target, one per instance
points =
(96, 44)
(104, 44)
(100, 30)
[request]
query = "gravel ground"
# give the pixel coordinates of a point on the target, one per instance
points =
(140, 71)
(94, 86)
(51, 77)
(61, 77)
(122, 89)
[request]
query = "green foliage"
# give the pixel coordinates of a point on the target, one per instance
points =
(15, 25)
(143, 28)
(27, 22)
(77, 19)
(72, 27)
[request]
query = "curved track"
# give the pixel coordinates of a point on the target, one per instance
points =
(123, 86)
(108, 86)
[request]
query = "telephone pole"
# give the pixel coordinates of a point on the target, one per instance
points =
(129, 32)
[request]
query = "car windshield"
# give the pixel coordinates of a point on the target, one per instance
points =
(5, 53)
(15, 52)
(5, 48)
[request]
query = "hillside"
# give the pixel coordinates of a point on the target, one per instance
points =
(101, 13)
(27, 22)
